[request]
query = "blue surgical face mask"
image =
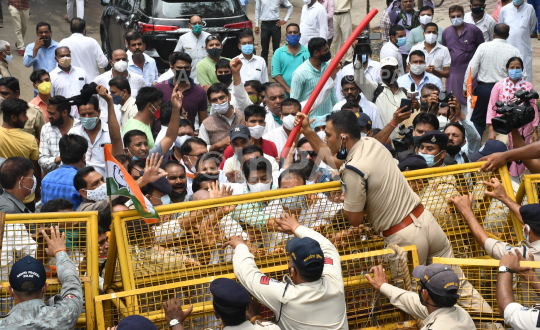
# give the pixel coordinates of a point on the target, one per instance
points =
(247, 49)
(294, 202)
(293, 39)
(515, 73)
(525, 227)
(197, 29)
(518, 2)
(89, 123)
(430, 159)
(401, 41)
(8, 58)
(364, 58)
(117, 99)
(165, 200)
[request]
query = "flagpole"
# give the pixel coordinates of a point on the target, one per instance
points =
(107, 176)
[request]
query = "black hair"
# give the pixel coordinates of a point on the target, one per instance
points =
(255, 84)
(388, 2)
(501, 30)
(244, 33)
(36, 75)
(216, 88)
(100, 229)
(483, 1)
(121, 83)
(199, 179)
(165, 113)
(55, 205)
(214, 156)
(394, 29)
(512, 59)
(122, 159)
(345, 122)
(94, 102)
(292, 171)
(424, 8)
(72, 148)
(129, 134)
(135, 35)
(459, 126)
(212, 37)
(40, 24)
(77, 25)
(136, 162)
(180, 56)
(376, 131)
(61, 104)
(256, 164)
(348, 80)
(308, 275)
(417, 52)
(171, 163)
(302, 141)
(61, 47)
(291, 102)
(292, 24)
(431, 24)
(13, 107)
(440, 301)
(304, 165)
(223, 63)
(351, 104)
(185, 122)
(251, 149)
(186, 147)
(11, 83)
(230, 316)
(535, 227)
(431, 86)
(13, 169)
(254, 111)
(316, 44)
(147, 95)
(426, 118)
(78, 181)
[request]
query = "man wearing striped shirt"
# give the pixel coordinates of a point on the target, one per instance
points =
(309, 73)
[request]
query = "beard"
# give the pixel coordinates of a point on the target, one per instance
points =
(19, 124)
(58, 122)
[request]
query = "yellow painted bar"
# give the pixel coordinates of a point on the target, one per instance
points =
(481, 262)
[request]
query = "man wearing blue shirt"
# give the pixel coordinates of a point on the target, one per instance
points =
(40, 54)
(59, 183)
(417, 74)
(138, 62)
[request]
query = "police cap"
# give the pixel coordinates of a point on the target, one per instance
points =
(306, 253)
(434, 137)
(27, 269)
(229, 293)
(412, 162)
(136, 322)
(530, 213)
(439, 279)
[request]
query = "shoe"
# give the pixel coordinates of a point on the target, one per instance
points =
(1, 24)
(21, 52)
(534, 35)
(66, 18)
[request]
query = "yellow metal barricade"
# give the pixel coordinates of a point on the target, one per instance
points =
(21, 238)
(482, 274)
(365, 307)
(188, 241)
(528, 189)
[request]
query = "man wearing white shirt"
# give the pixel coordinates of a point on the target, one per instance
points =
(268, 12)
(372, 70)
(121, 91)
(119, 64)
(138, 62)
(313, 22)
(193, 44)
(67, 80)
(86, 53)
(522, 20)
(438, 57)
(275, 94)
(391, 49)
(279, 136)
(478, 17)
(253, 66)
(418, 75)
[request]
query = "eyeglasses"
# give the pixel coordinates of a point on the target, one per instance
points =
(304, 154)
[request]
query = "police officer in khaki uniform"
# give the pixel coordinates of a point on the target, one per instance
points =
(435, 303)
(515, 315)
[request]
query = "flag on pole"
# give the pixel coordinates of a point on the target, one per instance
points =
(119, 182)
(471, 99)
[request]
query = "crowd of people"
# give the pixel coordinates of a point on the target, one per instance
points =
(212, 127)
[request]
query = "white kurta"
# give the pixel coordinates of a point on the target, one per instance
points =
(521, 22)
(313, 23)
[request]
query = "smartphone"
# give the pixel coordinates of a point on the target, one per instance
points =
(406, 103)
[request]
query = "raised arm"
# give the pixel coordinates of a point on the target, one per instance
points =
(399, 116)
(532, 164)
(239, 92)
(367, 86)
(172, 130)
(114, 126)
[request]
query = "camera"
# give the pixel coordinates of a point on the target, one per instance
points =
(444, 98)
(515, 114)
(363, 45)
(405, 142)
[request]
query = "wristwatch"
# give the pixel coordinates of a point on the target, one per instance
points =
(173, 323)
(504, 269)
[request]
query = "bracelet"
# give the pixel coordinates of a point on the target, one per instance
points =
(60, 250)
(254, 318)
(392, 123)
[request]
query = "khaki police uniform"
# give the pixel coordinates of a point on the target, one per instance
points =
(372, 182)
(519, 317)
(451, 318)
(257, 326)
(312, 305)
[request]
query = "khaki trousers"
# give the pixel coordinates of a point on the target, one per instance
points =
(20, 17)
(342, 31)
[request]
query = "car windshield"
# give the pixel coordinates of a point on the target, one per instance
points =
(207, 9)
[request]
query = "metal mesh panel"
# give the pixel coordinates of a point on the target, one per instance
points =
(364, 306)
(529, 190)
(21, 238)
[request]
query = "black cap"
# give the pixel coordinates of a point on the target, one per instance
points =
(364, 120)
(412, 162)
(530, 213)
(136, 322)
(439, 279)
(229, 293)
(435, 137)
(306, 253)
(239, 131)
(161, 184)
(27, 269)
(490, 147)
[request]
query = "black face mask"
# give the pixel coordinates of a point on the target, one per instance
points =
(389, 77)
(325, 57)
(452, 149)
(225, 78)
(182, 75)
(342, 153)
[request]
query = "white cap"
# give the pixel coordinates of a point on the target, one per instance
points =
(389, 61)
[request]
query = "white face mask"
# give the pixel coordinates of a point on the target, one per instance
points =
(457, 21)
(424, 19)
(181, 139)
(307, 2)
(256, 131)
(363, 134)
(309, 182)
(288, 122)
(221, 108)
(120, 66)
(443, 121)
(418, 69)
(431, 38)
(258, 187)
(34, 185)
(321, 134)
(97, 195)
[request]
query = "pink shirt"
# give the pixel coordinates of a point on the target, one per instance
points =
(329, 6)
(496, 11)
(38, 102)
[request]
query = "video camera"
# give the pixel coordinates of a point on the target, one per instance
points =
(405, 142)
(444, 98)
(363, 45)
(87, 92)
(515, 114)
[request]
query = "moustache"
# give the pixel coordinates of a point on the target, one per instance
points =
(179, 186)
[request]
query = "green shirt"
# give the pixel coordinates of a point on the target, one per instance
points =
(133, 124)
(417, 35)
(284, 63)
(206, 71)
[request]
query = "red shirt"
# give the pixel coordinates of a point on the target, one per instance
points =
(268, 148)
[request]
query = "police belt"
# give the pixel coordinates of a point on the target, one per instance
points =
(405, 222)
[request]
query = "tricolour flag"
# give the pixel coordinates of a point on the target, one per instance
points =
(119, 182)
(471, 99)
